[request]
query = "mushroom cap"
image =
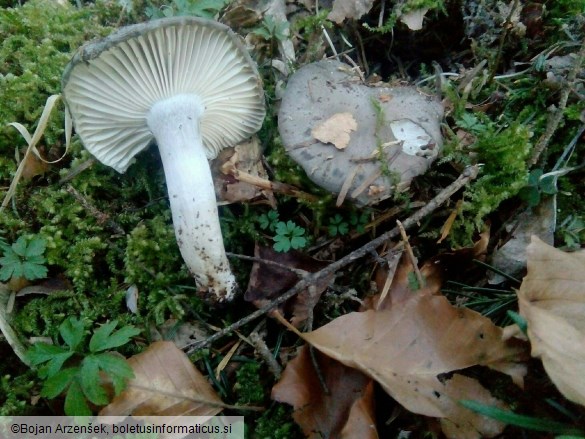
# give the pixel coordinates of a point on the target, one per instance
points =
(401, 122)
(110, 85)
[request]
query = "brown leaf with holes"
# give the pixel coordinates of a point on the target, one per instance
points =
(412, 349)
(335, 130)
(552, 300)
(166, 383)
(346, 412)
(267, 282)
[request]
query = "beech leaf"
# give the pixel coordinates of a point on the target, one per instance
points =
(345, 411)
(166, 383)
(409, 348)
(552, 300)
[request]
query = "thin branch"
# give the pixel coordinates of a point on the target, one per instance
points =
(468, 174)
(297, 271)
(100, 216)
(410, 253)
(261, 348)
(555, 120)
(507, 26)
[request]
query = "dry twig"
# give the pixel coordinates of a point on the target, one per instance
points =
(468, 174)
(555, 120)
(410, 254)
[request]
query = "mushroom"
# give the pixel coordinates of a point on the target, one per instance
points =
(357, 141)
(188, 83)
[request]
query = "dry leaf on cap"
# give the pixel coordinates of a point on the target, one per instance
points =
(166, 383)
(335, 130)
(346, 412)
(412, 349)
(552, 300)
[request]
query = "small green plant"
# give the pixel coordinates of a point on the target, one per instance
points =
(337, 226)
(23, 259)
(572, 230)
(288, 235)
(80, 377)
(359, 221)
(268, 221)
(272, 30)
(404, 7)
(538, 184)
(470, 122)
(198, 8)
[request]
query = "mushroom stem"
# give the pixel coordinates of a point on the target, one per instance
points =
(174, 122)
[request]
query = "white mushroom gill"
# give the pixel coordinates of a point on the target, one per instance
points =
(175, 123)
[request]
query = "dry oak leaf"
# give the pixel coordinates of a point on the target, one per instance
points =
(166, 383)
(552, 300)
(411, 349)
(335, 130)
(346, 412)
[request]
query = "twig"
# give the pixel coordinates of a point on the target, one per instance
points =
(555, 120)
(507, 26)
(410, 254)
(9, 334)
(261, 348)
(101, 217)
(318, 370)
(468, 174)
(297, 271)
(274, 186)
(78, 170)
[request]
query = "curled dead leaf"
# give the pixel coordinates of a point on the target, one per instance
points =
(552, 300)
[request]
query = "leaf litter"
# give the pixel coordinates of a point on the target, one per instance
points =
(415, 349)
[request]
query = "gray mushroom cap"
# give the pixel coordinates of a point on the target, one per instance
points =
(396, 137)
(110, 85)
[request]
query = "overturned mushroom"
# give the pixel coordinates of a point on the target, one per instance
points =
(360, 142)
(188, 83)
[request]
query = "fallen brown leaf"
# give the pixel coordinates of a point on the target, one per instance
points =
(267, 282)
(552, 300)
(335, 130)
(346, 412)
(166, 383)
(245, 157)
(409, 348)
(33, 166)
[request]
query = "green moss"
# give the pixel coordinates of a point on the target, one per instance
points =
(36, 42)
(249, 387)
(275, 423)
(15, 394)
(502, 152)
